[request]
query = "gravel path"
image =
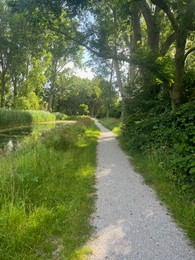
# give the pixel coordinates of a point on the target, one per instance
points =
(130, 222)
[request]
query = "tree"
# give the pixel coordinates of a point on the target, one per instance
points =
(181, 17)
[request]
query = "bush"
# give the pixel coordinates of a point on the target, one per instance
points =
(184, 143)
(171, 133)
(60, 116)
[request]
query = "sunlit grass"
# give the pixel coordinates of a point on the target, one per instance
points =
(47, 197)
(112, 123)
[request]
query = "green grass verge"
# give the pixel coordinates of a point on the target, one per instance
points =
(47, 195)
(112, 123)
(155, 168)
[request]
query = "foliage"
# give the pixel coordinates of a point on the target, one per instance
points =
(31, 101)
(84, 110)
(167, 132)
(60, 116)
(47, 197)
(114, 124)
(14, 118)
(184, 143)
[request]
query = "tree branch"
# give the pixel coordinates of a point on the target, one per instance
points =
(188, 52)
(147, 14)
(163, 5)
(167, 44)
(77, 40)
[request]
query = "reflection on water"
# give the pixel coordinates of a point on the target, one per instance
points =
(11, 138)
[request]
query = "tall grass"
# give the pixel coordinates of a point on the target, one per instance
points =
(42, 116)
(47, 196)
(13, 117)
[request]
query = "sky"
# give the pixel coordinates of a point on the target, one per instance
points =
(82, 73)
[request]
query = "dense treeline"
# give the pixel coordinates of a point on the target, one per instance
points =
(34, 58)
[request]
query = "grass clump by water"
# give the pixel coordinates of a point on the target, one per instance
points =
(14, 118)
(47, 195)
(42, 116)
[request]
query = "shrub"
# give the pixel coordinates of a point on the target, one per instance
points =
(184, 143)
(171, 133)
(60, 116)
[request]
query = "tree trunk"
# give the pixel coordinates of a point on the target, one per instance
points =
(3, 85)
(153, 28)
(177, 90)
(15, 92)
(50, 101)
(119, 80)
(53, 82)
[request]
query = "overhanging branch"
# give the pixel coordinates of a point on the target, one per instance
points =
(80, 42)
(188, 52)
(167, 44)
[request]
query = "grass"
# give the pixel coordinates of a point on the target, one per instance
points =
(155, 168)
(47, 196)
(12, 118)
(112, 123)
(42, 116)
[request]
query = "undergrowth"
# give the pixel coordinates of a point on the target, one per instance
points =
(47, 195)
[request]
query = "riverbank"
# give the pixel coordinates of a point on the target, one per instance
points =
(47, 190)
